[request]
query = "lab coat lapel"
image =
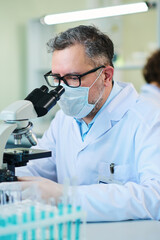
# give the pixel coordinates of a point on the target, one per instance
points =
(113, 112)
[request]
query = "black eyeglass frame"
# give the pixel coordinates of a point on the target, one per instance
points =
(63, 78)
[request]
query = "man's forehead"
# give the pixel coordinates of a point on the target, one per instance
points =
(74, 49)
(70, 59)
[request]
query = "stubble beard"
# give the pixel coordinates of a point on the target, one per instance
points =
(97, 106)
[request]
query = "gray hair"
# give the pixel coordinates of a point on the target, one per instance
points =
(98, 46)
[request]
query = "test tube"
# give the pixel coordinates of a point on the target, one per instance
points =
(60, 225)
(69, 223)
(3, 224)
(24, 220)
(32, 216)
(51, 228)
(15, 222)
(77, 225)
(43, 216)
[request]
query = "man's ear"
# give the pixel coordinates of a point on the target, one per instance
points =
(108, 72)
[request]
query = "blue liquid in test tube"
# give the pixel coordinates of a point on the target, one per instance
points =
(43, 236)
(10, 222)
(3, 225)
(24, 220)
(60, 225)
(69, 223)
(77, 225)
(51, 228)
(33, 232)
(15, 222)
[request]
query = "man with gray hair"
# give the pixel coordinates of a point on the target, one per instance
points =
(103, 135)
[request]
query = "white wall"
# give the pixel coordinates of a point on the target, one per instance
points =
(14, 16)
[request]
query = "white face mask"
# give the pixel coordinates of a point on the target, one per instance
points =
(74, 101)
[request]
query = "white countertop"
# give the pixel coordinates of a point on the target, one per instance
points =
(125, 230)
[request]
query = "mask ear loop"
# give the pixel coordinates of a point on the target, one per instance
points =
(102, 91)
(96, 78)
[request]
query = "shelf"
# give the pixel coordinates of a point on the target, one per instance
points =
(129, 67)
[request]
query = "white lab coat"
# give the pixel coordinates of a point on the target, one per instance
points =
(126, 133)
(151, 93)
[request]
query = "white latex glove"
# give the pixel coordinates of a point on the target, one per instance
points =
(47, 188)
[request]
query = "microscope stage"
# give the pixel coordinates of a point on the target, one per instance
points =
(18, 156)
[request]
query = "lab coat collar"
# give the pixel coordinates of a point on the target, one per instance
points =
(112, 113)
(123, 102)
(149, 90)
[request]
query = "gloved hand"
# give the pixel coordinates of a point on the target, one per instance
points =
(47, 188)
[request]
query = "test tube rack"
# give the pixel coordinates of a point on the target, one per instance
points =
(27, 220)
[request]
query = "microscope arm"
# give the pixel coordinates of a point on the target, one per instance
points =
(14, 116)
(5, 131)
(18, 111)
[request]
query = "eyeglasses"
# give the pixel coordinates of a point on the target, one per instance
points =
(71, 80)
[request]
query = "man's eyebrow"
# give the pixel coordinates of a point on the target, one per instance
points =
(56, 74)
(72, 73)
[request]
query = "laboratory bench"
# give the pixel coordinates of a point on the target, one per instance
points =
(124, 230)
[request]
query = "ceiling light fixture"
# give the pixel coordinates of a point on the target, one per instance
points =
(96, 13)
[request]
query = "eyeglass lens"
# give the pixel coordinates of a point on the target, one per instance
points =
(70, 80)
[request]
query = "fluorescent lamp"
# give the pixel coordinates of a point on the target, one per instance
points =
(95, 13)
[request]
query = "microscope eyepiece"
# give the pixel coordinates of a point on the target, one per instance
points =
(44, 88)
(57, 92)
(43, 100)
